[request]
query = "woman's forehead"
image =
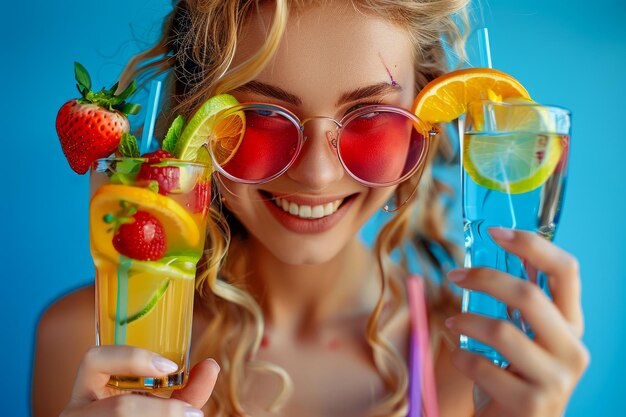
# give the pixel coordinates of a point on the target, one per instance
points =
(334, 48)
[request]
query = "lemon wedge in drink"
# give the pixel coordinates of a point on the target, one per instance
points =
(511, 150)
(517, 164)
(224, 138)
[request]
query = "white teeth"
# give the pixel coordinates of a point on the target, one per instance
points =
(305, 211)
(308, 212)
(317, 212)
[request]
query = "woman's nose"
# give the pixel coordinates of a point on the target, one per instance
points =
(318, 164)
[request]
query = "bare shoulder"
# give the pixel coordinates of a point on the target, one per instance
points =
(69, 319)
(454, 388)
(64, 333)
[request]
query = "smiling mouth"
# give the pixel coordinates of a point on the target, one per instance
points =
(305, 211)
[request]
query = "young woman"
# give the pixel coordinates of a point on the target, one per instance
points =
(301, 316)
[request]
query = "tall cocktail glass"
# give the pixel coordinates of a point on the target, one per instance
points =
(514, 172)
(147, 223)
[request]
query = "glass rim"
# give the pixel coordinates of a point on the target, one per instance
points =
(522, 104)
(140, 159)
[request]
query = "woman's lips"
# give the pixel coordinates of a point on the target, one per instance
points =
(307, 215)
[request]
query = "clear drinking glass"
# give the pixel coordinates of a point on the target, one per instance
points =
(144, 297)
(514, 172)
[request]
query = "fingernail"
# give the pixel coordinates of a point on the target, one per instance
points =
(457, 275)
(193, 412)
(501, 234)
(215, 363)
(164, 365)
(449, 322)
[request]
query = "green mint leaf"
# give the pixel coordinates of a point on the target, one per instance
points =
(129, 108)
(82, 76)
(121, 178)
(128, 146)
(173, 133)
(128, 166)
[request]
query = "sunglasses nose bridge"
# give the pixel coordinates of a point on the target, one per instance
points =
(331, 135)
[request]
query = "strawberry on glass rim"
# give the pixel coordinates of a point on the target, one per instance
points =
(91, 127)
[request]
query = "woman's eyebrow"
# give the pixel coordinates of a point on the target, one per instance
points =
(268, 90)
(374, 90)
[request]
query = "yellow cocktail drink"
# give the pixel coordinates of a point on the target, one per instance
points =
(147, 223)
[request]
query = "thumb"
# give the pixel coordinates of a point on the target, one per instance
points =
(202, 378)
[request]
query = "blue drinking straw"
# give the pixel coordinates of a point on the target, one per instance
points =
(484, 61)
(121, 311)
(151, 113)
(484, 48)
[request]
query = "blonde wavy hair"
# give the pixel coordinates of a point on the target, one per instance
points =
(197, 48)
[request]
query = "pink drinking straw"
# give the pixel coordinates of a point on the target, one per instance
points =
(423, 394)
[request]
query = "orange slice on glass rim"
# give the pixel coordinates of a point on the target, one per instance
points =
(520, 163)
(446, 97)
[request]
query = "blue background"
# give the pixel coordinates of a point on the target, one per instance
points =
(565, 52)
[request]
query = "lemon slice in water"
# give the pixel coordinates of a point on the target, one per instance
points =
(510, 152)
(513, 163)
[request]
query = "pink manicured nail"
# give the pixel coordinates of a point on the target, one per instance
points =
(457, 275)
(501, 234)
(193, 412)
(164, 365)
(215, 363)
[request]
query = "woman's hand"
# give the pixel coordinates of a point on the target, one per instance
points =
(91, 397)
(543, 372)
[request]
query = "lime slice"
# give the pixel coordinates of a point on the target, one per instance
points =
(196, 133)
(513, 163)
(509, 151)
(144, 292)
(175, 266)
(148, 282)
